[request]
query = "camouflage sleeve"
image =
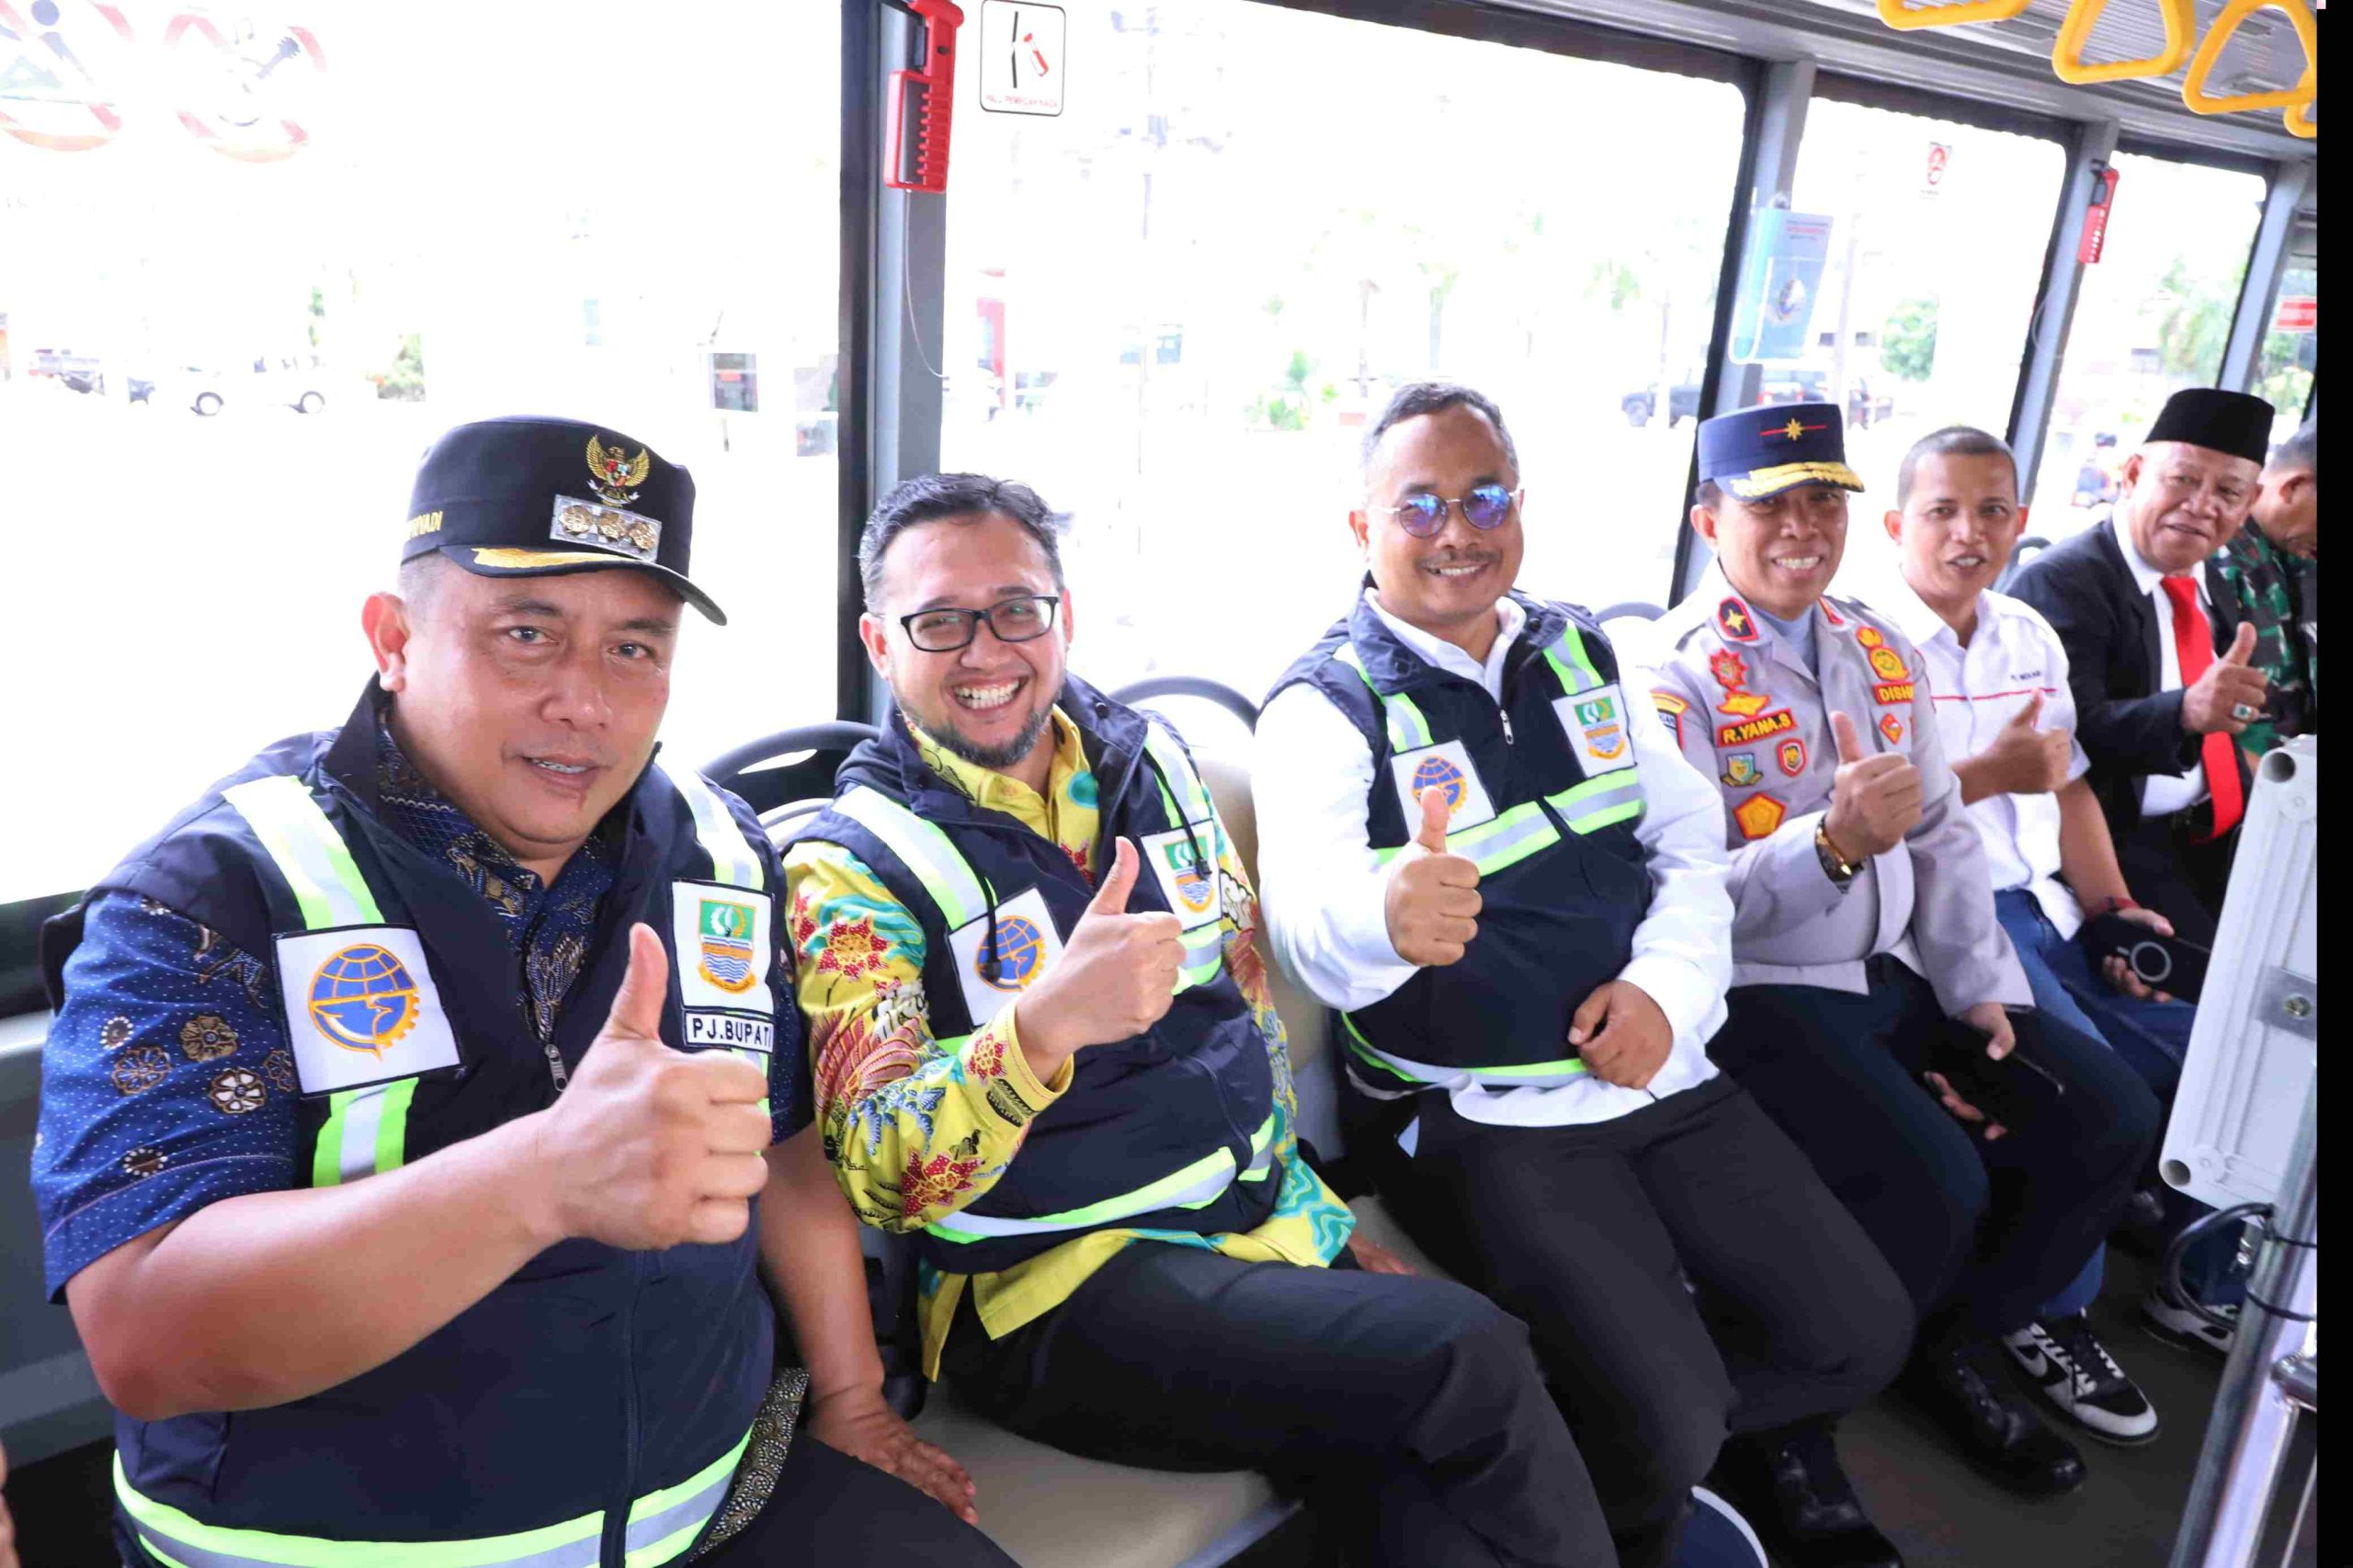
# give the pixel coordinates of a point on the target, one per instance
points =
(917, 1127)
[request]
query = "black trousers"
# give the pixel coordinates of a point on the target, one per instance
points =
(829, 1508)
(2176, 875)
(1590, 1233)
(1981, 1232)
(1409, 1410)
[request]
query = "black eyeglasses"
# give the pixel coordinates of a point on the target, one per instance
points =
(1485, 507)
(1012, 621)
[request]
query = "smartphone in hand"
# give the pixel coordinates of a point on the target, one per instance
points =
(2165, 963)
(2013, 1091)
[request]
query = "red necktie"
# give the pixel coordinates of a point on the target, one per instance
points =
(2193, 644)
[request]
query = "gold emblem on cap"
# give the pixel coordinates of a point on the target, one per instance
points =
(613, 474)
(577, 520)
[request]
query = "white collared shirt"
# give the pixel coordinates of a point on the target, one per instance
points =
(2162, 794)
(1323, 891)
(2012, 654)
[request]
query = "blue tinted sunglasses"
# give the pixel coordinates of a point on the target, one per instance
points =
(1423, 516)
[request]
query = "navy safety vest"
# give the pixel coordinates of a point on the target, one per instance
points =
(1545, 795)
(591, 1409)
(1169, 1130)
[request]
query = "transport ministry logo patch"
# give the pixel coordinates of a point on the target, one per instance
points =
(363, 998)
(1015, 961)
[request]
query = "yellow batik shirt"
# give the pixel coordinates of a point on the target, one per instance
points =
(916, 1132)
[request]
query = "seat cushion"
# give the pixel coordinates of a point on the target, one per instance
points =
(1050, 1509)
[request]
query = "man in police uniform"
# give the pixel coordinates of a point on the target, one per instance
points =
(1515, 896)
(412, 1094)
(1864, 926)
(1045, 1049)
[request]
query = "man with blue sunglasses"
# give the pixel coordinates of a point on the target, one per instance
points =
(1514, 894)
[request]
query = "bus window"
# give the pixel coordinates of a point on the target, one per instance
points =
(1176, 307)
(231, 329)
(1937, 242)
(2152, 316)
(2291, 360)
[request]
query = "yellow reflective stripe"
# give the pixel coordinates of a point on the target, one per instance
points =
(1576, 672)
(307, 851)
(732, 859)
(1526, 1074)
(1195, 1186)
(662, 1525)
(946, 875)
(176, 1537)
(1408, 730)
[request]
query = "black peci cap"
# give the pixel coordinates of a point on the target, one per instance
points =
(2235, 423)
(542, 497)
(1758, 453)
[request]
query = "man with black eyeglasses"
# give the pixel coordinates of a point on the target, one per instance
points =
(1512, 891)
(1044, 1048)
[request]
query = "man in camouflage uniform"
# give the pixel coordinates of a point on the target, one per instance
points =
(2271, 567)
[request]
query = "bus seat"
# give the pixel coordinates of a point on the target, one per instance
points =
(788, 775)
(1050, 1509)
(1307, 1022)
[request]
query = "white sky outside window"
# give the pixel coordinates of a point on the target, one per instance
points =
(1958, 255)
(557, 206)
(1173, 309)
(2152, 316)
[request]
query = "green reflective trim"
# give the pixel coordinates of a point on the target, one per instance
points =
(1594, 821)
(200, 1544)
(1408, 730)
(306, 849)
(1615, 796)
(732, 859)
(1197, 1186)
(1576, 672)
(928, 852)
(391, 1129)
(1363, 1049)
(690, 1503)
(1526, 1074)
(326, 1155)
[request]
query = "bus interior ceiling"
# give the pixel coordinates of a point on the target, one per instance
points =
(1183, 253)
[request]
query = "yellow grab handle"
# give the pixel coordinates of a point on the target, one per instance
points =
(2209, 50)
(2067, 53)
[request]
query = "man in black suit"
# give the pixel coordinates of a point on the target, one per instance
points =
(2157, 661)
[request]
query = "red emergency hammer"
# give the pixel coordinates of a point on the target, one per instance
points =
(933, 83)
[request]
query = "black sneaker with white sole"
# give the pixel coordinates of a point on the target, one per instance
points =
(2179, 1324)
(2068, 1366)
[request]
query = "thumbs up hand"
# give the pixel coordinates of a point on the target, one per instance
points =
(1432, 903)
(1114, 980)
(1874, 798)
(2229, 696)
(2022, 759)
(650, 1147)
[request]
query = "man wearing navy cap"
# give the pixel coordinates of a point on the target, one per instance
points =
(1864, 928)
(412, 1096)
(2161, 666)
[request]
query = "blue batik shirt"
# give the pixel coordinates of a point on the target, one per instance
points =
(167, 1083)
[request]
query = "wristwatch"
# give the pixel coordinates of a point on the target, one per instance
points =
(1837, 867)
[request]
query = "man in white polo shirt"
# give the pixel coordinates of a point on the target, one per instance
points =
(2007, 716)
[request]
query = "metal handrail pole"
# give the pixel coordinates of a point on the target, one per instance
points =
(2247, 1436)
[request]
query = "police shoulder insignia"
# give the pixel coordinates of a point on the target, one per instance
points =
(1671, 710)
(1892, 728)
(1829, 614)
(1758, 815)
(1734, 620)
